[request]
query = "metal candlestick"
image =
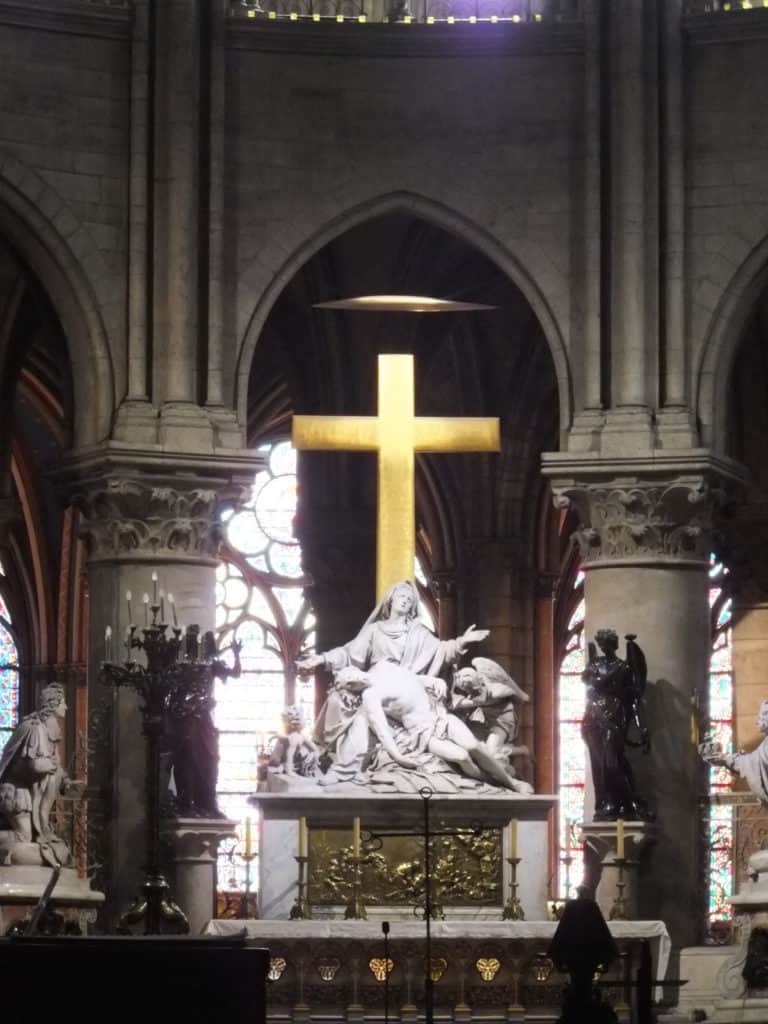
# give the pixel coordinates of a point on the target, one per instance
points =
(513, 908)
(245, 903)
(300, 911)
(172, 666)
(618, 911)
(355, 909)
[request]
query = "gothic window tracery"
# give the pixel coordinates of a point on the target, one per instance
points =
(571, 750)
(260, 602)
(719, 823)
(9, 677)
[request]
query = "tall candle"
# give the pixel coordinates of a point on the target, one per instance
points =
(172, 603)
(302, 837)
(162, 606)
(154, 588)
(513, 838)
(248, 839)
(108, 644)
(356, 837)
(145, 602)
(567, 837)
(620, 839)
(128, 596)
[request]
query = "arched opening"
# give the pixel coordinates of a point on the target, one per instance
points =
(43, 582)
(478, 515)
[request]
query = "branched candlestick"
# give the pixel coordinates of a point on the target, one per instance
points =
(513, 908)
(618, 911)
(171, 668)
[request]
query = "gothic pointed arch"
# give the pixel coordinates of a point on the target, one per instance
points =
(510, 263)
(726, 330)
(50, 243)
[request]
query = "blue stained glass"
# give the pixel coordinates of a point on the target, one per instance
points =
(725, 613)
(719, 727)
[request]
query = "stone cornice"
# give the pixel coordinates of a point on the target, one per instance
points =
(400, 40)
(110, 19)
(645, 509)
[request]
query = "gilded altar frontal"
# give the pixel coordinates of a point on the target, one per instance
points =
(467, 870)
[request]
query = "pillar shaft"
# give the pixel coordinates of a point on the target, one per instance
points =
(645, 539)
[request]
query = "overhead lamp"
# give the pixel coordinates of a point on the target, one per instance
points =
(402, 304)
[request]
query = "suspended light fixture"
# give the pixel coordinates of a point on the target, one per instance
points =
(402, 304)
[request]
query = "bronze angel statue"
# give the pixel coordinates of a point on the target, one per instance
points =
(612, 720)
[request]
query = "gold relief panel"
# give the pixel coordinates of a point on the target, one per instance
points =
(466, 869)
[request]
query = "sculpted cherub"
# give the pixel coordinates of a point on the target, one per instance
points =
(294, 752)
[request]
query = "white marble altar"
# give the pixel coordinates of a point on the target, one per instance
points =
(395, 813)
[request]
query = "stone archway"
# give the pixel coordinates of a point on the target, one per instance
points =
(49, 241)
(721, 344)
(440, 216)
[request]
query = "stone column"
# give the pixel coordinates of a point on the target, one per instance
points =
(139, 519)
(195, 848)
(645, 538)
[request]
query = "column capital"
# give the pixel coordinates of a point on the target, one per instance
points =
(643, 510)
(151, 506)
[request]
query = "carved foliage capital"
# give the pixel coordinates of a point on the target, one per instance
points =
(638, 520)
(129, 519)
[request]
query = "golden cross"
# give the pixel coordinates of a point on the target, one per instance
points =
(396, 434)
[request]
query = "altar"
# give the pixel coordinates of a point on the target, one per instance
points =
(496, 970)
(496, 827)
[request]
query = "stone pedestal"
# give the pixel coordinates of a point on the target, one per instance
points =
(195, 848)
(601, 870)
(21, 887)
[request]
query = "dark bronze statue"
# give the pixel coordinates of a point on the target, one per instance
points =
(193, 737)
(615, 689)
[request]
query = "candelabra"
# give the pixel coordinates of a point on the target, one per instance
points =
(172, 670)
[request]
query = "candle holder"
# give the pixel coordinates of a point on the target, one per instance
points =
(355, 909)
(172, 670)
(300, 911)
(513, 908)
(245, 902)
(618, 911)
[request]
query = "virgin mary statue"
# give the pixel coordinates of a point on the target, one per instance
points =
(392, 634)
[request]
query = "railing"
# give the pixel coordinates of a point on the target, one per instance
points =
(406, 11)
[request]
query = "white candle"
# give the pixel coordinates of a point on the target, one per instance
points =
(513, 838)
(172, 603)
(356, 837)
(108, 644)
(302, 837)
(154, 588)
(128, 596)
(248, 839)
(620, 839)
(145, 602)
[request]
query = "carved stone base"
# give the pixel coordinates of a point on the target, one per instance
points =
(195, 849)
(21, 886)
(602, 873)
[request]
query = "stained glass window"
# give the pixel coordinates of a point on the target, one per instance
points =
(259, 602)
(9, 677)
(572, 753)
(719, 727)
